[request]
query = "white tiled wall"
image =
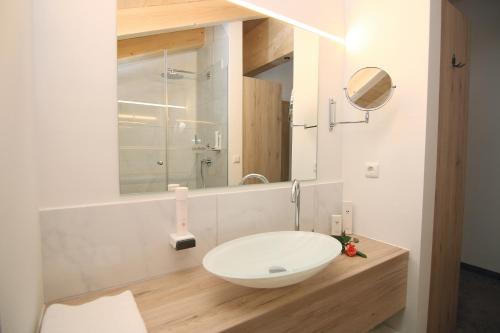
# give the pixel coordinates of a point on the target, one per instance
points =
(96, 247)
(245, 213)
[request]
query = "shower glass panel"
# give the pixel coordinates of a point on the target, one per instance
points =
(142, 123)
(211, 154)
(173, 117)
(182, 80)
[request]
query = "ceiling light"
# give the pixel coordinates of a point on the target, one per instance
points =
(291, 21)
(153, 104)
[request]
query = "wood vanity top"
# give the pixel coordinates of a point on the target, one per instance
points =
(350, 295)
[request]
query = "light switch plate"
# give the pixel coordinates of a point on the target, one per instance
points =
(372, 170)
(236, 159)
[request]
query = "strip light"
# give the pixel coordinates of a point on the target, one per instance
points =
(131, 122)
(196, 121)
(134, 117)
(153, 104)
(288, 20)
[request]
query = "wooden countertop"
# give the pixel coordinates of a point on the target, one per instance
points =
(350, 295)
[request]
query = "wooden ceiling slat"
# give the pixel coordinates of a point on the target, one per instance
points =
(148, 20)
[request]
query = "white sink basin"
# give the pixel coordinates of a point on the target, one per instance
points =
(272, 259)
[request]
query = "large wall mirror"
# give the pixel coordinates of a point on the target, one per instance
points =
(213, 95)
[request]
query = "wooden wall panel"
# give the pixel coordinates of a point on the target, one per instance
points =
(172, 41)
(149, 20)
(266, 44)
(450, 176)
(285, 142)
(262, 128)
(123, 4)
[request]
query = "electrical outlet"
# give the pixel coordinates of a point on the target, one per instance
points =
(336, 224)
(372, 170)
(347, 216)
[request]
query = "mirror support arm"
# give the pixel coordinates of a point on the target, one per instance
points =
(333, 112)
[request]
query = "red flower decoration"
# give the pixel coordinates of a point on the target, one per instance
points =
(351, 250)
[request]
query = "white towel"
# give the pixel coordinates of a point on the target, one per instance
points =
(110, 314)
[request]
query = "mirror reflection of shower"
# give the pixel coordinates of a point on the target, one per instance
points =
(172, 107)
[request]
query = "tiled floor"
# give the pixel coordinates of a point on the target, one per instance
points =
(479, 303)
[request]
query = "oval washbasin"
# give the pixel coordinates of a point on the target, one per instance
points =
(272, 259)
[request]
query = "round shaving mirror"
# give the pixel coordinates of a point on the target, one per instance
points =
(369, 88)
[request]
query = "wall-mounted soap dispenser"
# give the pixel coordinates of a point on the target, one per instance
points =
(182, 239)
(217, 141)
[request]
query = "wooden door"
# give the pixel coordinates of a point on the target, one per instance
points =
(450, 174)
(285, 141)
(262, 128)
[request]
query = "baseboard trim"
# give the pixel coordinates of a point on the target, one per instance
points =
(480, 270)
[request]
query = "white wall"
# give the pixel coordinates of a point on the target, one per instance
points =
(20, 250)
(481, 226)
(393, 35)
(305, 104)
(283, 74)
(75, 87)
(430, 166)
(234, 31)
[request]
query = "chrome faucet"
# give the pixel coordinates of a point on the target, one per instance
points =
(296, 200)
(258, 176)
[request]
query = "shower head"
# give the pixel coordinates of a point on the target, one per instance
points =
(175, 74)
(172, 75)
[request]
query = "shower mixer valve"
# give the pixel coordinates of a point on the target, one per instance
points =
(207, 161)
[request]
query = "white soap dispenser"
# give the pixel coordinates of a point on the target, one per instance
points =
(217, 140)
(182, 239)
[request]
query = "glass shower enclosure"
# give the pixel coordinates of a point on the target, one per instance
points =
(172, 117)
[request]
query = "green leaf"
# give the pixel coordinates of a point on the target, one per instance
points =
(339, 238)
(342, 239)
(361, 254)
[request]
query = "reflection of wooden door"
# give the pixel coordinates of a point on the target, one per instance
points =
(285, 141)
(450, 174)
(262, 128)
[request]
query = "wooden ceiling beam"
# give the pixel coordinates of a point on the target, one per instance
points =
(266, 44)
(172, 41)
(175, 16)
(124, 4)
